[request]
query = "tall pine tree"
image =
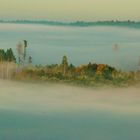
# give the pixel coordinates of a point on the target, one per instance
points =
(7, 56)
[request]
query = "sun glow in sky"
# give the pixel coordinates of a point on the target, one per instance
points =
(70, 10)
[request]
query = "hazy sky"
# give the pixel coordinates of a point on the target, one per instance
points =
(70, 10)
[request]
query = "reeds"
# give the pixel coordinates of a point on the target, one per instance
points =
(7, 70)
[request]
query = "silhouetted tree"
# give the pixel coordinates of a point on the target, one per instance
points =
(21, 50)
(30, 60)
(25, 46)
(10, 55)
(64, 64)
(7, 56)
(2, 55)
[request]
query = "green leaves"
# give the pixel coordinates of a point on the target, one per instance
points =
(7, 55)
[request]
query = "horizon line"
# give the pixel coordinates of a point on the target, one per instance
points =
(72, 21)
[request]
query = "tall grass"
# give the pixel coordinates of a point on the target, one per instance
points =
(7, 70)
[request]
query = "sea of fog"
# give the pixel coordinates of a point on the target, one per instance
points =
(33, 111)
(47, 44)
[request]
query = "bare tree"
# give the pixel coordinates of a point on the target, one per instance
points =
(21, 50)
(116, 49)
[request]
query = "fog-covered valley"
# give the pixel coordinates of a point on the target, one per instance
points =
(40, 111)
(48, 111)
(47, 44)
(58, 97)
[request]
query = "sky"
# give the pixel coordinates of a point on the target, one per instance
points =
(70, 10)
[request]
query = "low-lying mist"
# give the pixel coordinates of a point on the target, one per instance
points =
(47, 97)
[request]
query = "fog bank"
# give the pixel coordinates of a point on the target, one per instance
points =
(46, 97)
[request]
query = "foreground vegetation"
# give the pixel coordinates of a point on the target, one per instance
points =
(91, 74)
(7, 64)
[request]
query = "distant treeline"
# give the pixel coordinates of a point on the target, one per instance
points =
(127, 23)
